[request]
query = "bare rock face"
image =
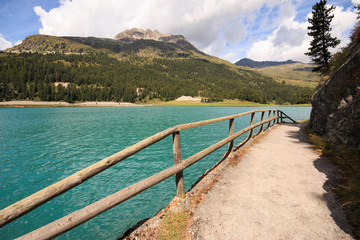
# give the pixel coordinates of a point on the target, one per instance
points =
(136, 34)
(336, 104)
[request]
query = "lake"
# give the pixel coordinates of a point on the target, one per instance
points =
(40, 146)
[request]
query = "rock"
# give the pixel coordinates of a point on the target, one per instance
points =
(336, 104)
(136, 33)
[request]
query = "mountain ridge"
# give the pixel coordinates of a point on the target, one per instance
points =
(101, 69)
(247, 62)
(128, 42)
(137, 33)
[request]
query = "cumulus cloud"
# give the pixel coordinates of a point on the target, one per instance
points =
(218, 27)
(209, 24)
(4, 44)
(342, 23)
(289, 36)
(235, 32)
(230, 55)
(290, 40)
(18, 42)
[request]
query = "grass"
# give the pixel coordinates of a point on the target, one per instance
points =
(173, 225)
(348, 162)
(159, 103)
(225, 103)
(292, 76)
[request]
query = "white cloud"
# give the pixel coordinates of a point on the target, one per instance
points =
(342, 23)
(230, 55)
(290, 39)
(355, 2)
(18, 42)
(209, 24)
(224, 28)
(4, 44)
(235, 32)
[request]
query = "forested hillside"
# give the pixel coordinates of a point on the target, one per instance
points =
(93, 70)
(246, 62)
(103, 78)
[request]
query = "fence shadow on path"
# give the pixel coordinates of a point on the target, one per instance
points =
(323, 165)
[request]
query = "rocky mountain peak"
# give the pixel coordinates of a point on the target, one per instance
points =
(136, 33)
(133, 41)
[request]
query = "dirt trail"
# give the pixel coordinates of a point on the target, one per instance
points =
(280, 190)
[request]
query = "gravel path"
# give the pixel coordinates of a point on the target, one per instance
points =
(280, 190)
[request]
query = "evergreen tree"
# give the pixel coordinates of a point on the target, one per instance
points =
(320, 31)
(103, 78)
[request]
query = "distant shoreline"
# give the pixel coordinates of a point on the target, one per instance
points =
(66, 104)
(226, 103)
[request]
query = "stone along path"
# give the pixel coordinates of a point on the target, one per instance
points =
(281, 189)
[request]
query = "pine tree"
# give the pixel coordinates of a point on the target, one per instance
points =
(320, 31)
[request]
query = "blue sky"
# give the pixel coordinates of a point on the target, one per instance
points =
(229, 29)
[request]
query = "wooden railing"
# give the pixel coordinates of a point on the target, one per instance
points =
(76, 218)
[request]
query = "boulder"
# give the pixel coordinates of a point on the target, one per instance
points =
(336, 104)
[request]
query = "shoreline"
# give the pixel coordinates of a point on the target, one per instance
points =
(226, 103)
(66, 104)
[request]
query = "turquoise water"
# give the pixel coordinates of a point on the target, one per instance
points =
(40, 146)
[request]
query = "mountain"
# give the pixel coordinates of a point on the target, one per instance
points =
(127, 43)
(300, 74)
(289, 72)
(137, 65)
(136, 34)
(246, 62)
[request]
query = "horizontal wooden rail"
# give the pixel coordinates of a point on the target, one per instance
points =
(74, 219)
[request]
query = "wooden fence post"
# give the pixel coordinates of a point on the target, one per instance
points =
(179, 178)
(269, 116)
(231, 132)
(262, 125)
(251, 123)
(273, 115)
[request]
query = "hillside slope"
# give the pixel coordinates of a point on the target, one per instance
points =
(288, 72)
(135, 66)
(247, 62)
(129, 42)
(295, 74)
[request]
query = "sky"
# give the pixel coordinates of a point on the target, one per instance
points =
(263, 30)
